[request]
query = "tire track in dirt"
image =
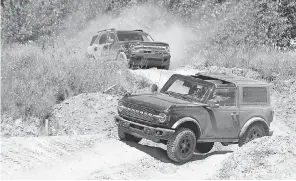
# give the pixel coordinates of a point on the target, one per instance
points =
(111, 159)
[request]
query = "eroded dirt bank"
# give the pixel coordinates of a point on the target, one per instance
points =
(98, 154)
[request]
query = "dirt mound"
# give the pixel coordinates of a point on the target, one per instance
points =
(89, 113)
(265, 158)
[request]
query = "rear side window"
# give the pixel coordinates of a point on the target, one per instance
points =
(254, 94)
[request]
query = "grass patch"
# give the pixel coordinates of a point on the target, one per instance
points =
(33, 80)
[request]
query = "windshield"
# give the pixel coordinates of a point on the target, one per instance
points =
(133, 36)
(187, 89)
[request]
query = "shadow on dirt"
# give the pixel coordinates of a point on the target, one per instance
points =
(161, 154)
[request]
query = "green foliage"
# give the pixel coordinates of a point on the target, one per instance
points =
(225, 33)
(254, 22)
(34, 80)
(24, 20)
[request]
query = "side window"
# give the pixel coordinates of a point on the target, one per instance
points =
(225, 97)
(93, 39)
(103, 38)
(254, 94)
(111, 37)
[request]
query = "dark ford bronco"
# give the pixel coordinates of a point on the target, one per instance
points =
(135, 48)
(190, 113)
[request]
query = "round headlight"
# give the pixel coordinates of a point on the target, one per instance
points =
(120, 107)
(162, 117)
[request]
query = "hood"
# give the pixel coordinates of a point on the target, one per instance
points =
(158, 101)
(145, 44)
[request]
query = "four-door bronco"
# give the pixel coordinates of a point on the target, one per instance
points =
(135, 48)
(190, 113)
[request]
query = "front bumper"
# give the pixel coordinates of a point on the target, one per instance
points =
(152, 133)
(150, 59)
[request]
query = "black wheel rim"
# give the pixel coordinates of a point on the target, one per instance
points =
(185, 146)
(255, 133)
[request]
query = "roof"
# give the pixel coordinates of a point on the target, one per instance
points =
(113, 29)
(237, 80)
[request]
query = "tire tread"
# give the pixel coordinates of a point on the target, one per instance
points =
(173, 141)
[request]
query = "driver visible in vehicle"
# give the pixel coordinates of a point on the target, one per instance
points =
(198, 91)
(222, 98)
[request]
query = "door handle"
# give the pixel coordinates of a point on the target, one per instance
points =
(96, 48)
(234, 116)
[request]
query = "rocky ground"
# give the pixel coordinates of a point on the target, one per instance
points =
(84, 144)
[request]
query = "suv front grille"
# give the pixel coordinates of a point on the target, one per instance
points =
(139, 112)
(150, 47)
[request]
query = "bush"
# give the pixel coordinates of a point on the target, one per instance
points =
(225, 33)
(34, 80)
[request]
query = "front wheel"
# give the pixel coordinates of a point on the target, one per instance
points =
(122, 58)
(181, 145)
(253, 132)
(167, 67)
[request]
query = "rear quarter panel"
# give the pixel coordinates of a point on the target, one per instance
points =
(250, 110)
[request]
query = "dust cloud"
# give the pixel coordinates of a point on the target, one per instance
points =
(160, 24)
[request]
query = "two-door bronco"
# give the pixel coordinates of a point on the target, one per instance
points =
(190, 113)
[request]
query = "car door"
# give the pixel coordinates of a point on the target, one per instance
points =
(90, 48)
(224, 118)
(111, 51)
(99, 49)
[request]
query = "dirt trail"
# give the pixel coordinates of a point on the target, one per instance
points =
(97, 157)
(100, 155)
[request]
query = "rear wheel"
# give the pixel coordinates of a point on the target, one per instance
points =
(253, 132)
(204, 147)
(181, 145)
(122, 58)
(127, 137)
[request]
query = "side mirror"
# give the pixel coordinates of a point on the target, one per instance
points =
(154, 88)
(213, 103)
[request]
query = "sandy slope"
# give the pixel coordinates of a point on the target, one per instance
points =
(95, 157)
(100, 155)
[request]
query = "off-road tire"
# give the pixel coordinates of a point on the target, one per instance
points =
(123, 136)
(254, 131)
(174, 147)
(167, 67)
(204, 147)
(165, 142)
